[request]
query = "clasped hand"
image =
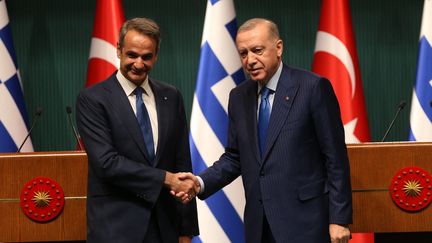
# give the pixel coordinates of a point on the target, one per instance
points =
(183, 185)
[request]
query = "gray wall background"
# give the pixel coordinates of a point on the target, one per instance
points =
(52, 42)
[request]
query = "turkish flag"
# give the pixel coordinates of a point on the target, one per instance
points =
(335, 58)
(103, 59)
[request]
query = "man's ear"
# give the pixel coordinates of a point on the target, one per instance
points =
(279, 47)
(118, 50)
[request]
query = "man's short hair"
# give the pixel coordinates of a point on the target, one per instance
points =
(252, 23)
(143, 26)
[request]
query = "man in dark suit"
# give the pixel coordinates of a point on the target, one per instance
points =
(135, 134)
(286, 140)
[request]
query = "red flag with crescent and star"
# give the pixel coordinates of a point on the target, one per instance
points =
(336, 58)
(103, 59)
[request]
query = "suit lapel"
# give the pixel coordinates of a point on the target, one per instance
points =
(283, 100)
(122, 107)
(250, 107)
(163, 116)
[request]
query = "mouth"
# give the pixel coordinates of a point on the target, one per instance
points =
(254, 71)
(137, 72)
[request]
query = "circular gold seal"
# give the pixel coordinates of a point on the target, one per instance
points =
(42, 199)
(411, 189)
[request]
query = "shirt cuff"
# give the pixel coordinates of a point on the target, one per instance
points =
(201, 182)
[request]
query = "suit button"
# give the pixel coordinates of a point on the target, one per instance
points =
(261, 173)
(260, 201)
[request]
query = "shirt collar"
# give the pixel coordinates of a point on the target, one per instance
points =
(272, 83)
(130, 87)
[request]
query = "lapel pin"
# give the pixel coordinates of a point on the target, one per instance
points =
(286, 98)
(165, 98)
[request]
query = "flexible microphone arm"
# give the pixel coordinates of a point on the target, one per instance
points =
(400, 107)
(77, 136)
(36, 117)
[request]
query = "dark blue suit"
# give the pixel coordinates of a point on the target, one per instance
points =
(124, 189)
(302, 184)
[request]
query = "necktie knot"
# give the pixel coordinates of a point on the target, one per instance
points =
(265, 92)
(138, 92)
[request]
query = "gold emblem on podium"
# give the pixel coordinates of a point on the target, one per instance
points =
(42, 199)
(411, 189)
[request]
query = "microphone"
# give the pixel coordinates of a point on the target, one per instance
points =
(36, 117)
(77, 136)
(400, 107)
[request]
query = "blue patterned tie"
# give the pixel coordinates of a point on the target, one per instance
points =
(263, 118)
(144, 122)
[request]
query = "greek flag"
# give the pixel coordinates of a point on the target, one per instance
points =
(13, 114)
(221, 215)
(421, 104)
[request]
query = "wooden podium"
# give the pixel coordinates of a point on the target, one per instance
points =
(69, 170)
(373, 165)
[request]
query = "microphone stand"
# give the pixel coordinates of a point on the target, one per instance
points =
(400, 107)
(37, 115)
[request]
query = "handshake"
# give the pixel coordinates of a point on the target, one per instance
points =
(183, 185)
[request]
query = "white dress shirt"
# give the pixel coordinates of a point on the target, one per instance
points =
(271, 85)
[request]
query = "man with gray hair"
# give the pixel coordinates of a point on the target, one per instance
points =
(286, 140)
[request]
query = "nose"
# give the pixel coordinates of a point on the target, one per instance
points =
(251, 59)
(139, 63)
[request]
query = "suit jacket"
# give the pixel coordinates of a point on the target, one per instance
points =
(124, 187)
(302, 182)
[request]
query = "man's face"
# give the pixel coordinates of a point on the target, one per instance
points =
(137, 56)
(260, 53)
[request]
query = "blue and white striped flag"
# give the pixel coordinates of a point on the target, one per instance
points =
(221, 215)
(421, 105)
(13, 114)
